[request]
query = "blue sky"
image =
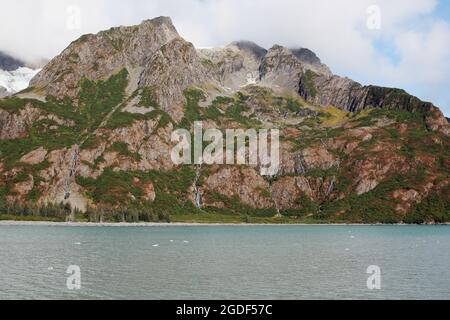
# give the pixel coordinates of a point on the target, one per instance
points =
(409, 50)
(443, 10)
(415, 81)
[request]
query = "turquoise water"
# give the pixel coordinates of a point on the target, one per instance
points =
(242, 262)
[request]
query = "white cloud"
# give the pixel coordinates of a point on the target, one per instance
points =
(335, 30)
(425, 55)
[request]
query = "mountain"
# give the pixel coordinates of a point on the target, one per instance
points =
(9, 63)
(93, 132)
(14, 81)
(15, 76)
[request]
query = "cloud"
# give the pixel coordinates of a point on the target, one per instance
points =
(410, 50)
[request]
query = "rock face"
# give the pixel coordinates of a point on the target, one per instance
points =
(34, 157)
(94, 131)
(281, 69)
(172, 69)
(101, 55)
(16, 125)
(234, 66)
(311, 61)
(153, 53)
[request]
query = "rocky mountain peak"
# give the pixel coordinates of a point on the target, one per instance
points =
(235, 65)
(307, 56)
(150, 50)
(281, 51)
(281, 69)
(311, 61)
(98, 56)
(160, 21)
(251, 47)
(294, 58)
(163, 25)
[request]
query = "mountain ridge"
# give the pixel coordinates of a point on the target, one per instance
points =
(334, 90)
(93, 132)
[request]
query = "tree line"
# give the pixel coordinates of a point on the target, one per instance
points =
(64, 212)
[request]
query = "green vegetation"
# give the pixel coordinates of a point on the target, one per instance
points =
(123, 195)
(35, 212)
(235, 113)
(50, 139)
(221, 108)
(313, 137)
(148, 98)
(236, 110)
(407, 152)
(13, 104)
(293, 105)
(233, 206)
(123, 214)
(212, 112)
(191, 111)
(306, 207)
(63, 212)
(310, 87)
(370, 116)
(119, 188)
(97, 99)
(91, 143)
(122, 148)
(332, 116)
(122, 119)
(322, 173)
(222, 101)
(372, 207)
(211, 217)
(125, 119)
(435, 208)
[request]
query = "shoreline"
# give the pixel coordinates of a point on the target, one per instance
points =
(188, 224)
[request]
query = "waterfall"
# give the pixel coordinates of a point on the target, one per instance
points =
(330, 187)
(278, 215)
(72, 170)
(197, 194)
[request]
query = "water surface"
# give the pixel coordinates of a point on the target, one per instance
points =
(225, 262)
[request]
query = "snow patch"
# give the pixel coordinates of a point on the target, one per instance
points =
(17, 80)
